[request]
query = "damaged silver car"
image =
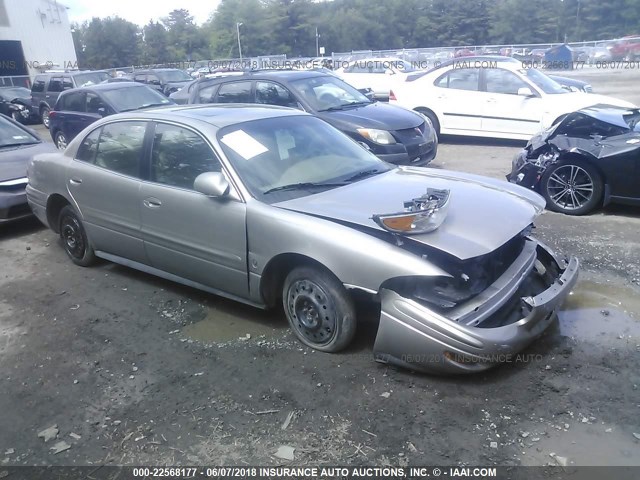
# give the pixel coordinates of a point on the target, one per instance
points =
(589, 158)
(268, 205)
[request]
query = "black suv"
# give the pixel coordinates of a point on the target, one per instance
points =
(394, 134)
(47, 86)
(165, 80)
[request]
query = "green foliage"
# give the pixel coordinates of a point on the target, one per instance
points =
(289, 27)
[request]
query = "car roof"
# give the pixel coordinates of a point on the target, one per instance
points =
(218, 115)
(101, 87)
(285, 75)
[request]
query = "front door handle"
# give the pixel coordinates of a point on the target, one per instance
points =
(75, 181)
(151, 202)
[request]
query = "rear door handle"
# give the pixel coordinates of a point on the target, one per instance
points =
(151, 202)
(75, 181)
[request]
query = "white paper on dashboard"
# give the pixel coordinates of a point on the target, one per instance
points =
(244, 144)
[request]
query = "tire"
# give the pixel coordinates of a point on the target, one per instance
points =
(432, 118)
(44, 113)
(74, 238)
(60, 141)
(571, 187)
(319, 309)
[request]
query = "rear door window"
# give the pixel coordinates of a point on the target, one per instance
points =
(55, 84)
(120, 147)
(235, 92)
(460, 79)
(73, 102)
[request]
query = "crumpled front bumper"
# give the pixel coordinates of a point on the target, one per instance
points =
(414, 336)
(524, 172)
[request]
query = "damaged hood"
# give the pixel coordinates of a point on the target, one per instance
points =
(483, 213)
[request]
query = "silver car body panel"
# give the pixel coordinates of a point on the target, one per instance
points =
(227, 245)
(472, 198)
(415, 337)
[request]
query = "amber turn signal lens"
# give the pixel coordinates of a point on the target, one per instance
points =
(399, 223)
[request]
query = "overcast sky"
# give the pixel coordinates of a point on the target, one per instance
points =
(137, 11)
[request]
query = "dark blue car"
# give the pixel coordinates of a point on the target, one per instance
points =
(80, 107)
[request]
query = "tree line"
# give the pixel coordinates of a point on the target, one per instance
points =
(289, 27)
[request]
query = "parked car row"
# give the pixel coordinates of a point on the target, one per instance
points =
(312, 213)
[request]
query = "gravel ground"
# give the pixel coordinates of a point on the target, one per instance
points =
(132, 369)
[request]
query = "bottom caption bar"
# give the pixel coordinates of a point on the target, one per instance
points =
(289, 472)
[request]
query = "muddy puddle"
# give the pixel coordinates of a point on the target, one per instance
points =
(606, 313)
(225, 324)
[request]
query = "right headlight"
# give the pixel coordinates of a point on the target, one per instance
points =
(381, 137)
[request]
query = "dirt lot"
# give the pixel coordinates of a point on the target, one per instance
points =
(132, 369)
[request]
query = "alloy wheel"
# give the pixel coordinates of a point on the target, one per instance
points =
(570, 187)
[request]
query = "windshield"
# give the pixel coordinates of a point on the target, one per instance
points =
(543, 82)
(90, 78)
(173, 75)
(328, 93)
(14, 92)
(134, 97)
(13, 135)
(303, 154)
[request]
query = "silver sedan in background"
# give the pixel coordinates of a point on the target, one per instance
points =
(271, 205)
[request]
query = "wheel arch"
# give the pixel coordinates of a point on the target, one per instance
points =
(276, 271)
(584, 157)
(425, 110)
(55, 204)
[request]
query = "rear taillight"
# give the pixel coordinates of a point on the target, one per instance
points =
(392, 96)
(52, 114)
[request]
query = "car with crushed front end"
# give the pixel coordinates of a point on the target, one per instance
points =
(270, 205)
(587, 160)
(17, 145)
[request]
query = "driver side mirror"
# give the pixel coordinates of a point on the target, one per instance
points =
(102, 111)
(154, 82)
(211, 184)
(525, 92)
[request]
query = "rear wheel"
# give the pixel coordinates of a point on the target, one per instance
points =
(572, 187)
(44, 113)
(61, 140)
(319, 309)
(74, 238)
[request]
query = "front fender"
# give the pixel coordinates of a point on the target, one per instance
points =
(356, 258)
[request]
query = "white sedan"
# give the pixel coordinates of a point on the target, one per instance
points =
(378, 74)
(491, 97)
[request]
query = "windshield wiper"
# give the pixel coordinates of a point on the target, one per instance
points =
(343, 106)
(147, 105)
(363, 174)
(20, 144)
(303, 185)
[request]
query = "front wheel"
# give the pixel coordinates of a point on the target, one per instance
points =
(319, 309)
(573, 188)
(74, 238)
(432, 118)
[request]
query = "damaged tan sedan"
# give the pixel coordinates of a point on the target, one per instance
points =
(266, 205)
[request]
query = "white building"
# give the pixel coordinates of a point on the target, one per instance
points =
(35, 35)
